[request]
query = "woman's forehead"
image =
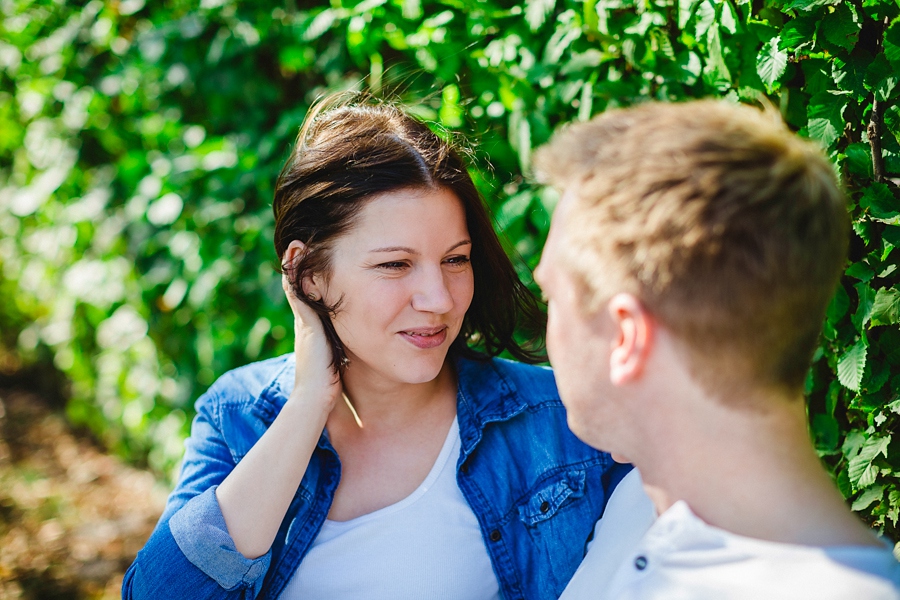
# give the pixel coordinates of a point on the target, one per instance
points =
(410, 218)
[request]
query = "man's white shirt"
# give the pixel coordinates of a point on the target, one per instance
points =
(635, 555)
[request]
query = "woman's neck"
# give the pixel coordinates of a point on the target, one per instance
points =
(382, 403)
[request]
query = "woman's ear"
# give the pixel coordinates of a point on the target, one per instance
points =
(295, 251)
(634, 331)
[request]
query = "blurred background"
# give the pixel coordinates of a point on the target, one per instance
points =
(139, 146)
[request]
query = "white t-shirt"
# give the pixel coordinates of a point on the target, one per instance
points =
(428, 545)
(679, 556)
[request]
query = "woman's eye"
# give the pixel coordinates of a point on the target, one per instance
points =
(392, 266)
(458, 260)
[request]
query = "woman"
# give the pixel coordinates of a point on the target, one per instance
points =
(385, 458)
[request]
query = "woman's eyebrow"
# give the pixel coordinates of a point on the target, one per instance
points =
(458, 244)
(394, 249)
(411, 251)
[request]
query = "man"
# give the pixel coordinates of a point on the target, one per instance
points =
(688, 268)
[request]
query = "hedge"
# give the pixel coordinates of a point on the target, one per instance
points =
(139, 144)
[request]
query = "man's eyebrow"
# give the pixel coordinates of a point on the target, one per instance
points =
(411, 251)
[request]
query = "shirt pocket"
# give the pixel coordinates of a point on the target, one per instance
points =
(552, 495)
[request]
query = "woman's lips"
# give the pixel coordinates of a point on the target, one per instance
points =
(425, 337)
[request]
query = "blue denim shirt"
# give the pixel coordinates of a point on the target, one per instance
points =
(536, 490)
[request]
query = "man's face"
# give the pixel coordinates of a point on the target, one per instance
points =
(578, 344)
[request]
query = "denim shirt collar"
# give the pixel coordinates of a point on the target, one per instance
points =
(484, 396)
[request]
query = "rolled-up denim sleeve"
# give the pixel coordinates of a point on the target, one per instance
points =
(190, 553)
(199, 530)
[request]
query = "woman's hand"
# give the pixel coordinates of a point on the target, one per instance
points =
(315, 380)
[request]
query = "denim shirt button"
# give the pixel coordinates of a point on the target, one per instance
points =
(464, 468)
(545, 506)
(495, 535)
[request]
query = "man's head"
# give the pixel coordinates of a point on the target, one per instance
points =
(727, 229)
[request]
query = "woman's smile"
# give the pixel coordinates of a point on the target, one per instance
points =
(426, 337)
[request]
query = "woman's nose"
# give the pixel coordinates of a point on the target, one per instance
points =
(432, 293)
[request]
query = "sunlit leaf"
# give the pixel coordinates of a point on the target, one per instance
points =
(867, 497)
(536, 12)
(825, 114)
(861, 471)
(771, 62)
(851, 365)
(886, 307)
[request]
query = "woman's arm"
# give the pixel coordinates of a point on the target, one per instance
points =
(277, 462)
(190, 554)
(214, 537)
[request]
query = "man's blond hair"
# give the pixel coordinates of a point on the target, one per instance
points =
(731, 230)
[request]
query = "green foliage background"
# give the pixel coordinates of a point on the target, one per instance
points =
(139, 144)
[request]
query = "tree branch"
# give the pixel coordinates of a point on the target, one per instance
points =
(876, 122)
(874, 130)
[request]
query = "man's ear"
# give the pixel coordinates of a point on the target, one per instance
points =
(295, 251)
(634, 332)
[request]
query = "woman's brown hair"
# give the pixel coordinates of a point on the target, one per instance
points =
(348, 152)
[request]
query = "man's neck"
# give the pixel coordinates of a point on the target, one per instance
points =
(749, 472)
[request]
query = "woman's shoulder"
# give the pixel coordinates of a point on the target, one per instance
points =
(261, 380)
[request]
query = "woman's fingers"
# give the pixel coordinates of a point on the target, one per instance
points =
(300, 309)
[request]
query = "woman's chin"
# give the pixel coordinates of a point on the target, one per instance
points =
(422, 371)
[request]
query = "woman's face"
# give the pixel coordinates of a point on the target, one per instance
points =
(404, 278)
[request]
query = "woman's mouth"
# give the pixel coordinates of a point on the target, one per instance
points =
(425, 337)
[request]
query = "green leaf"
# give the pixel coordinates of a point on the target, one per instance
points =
(825, 117)
(867, 497)
(851, 366)
(878, 200)
(892, 43)
(861, 271)
(412, 9)
(716, 71)
(320, 24)
(864, 308)
(520, 138)
(863, 228)
(728, 19)
(797, 34)
(826, 431)
(591, 18)
(841, 27)
(705, 19)
(771, 62)
(891, 235)
(889, 344)
(451, 113)
(838, 306)
(881, 78)
(859, 159)
(513, 209)
(566, 32)
(876, 375)
(860, 469)
(849, 73)
(808, 5)
(536, 12)
(886, 307)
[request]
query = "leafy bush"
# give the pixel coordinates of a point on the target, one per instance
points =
(139, 145)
